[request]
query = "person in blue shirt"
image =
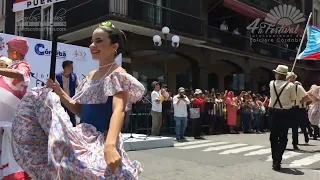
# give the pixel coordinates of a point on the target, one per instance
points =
(68, 81)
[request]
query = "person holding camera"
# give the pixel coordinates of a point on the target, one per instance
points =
(180, 102)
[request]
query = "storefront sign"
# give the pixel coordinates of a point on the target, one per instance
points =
(19, 5)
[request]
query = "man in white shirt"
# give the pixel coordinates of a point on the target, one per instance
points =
(298, 110)
(180, 102)
(282, 96)
(156, 110)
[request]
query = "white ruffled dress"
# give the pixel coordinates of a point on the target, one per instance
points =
(46, 145)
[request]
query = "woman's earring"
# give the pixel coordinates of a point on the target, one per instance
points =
(14, 55)
(116, 52)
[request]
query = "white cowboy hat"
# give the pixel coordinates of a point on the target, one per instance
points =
(291, 74)
(198, 91)
(281, 69)
(181, 90)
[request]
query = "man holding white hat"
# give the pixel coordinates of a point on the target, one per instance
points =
(299, 111)
(282, 96)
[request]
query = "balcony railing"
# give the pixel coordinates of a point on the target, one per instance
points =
(162, 16)
(145, 13)
(79, 10)
(245, 44)
(137, 10)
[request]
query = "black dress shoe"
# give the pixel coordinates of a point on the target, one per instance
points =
(199, 137)
(295, 147)
(310, 134)
(315, 138)
(276, 166)
(306, 139)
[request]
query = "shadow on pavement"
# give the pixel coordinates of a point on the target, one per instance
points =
(304, 151)
(291, 171)
(307, 145)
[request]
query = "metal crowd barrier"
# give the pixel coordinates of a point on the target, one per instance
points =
(141, 118)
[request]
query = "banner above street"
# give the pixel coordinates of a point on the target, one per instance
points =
(20, 5)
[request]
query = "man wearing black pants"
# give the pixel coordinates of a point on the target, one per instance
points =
(316, 132)
(282, 95)
(305, 123)
(298, 111)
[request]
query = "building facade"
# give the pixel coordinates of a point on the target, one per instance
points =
(208, 56)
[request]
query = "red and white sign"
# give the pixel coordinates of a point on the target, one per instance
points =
(19, 5)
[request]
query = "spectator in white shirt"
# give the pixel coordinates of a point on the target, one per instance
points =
(156, 110)
(224, 26)
(180, 102)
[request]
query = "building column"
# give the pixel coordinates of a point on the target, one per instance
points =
(203, 79)
(204, 63)
(221, 82)
(247, 75)
(204, 15)
(9, 25)
(247, 81)
(255, 86)
(195, 74)
(172, 81)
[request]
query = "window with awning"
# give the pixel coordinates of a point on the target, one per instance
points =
(250, 8)
(253, 8)
(257, 8)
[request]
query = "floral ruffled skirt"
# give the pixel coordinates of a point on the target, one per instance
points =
(47, 147)
(314, 113)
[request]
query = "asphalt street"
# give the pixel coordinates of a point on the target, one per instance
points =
(229, 157)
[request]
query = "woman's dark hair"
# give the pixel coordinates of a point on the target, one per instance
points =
(254, 98)
(116, 36)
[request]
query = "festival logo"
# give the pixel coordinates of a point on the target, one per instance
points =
(2, 44)
(79, 55)
(41, 50)
(20, 5)
(282, 24)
